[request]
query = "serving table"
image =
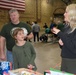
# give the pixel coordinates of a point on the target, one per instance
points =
(23, 71)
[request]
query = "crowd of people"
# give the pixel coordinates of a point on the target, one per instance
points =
(15, 35)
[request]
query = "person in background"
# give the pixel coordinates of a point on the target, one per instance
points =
(45, 26)
(36, 29)
(68, 41)
(53, 24)
(6, 37)
(60, 25)
(23, 51)
(28, 23)
(33, 23)
(54, 36)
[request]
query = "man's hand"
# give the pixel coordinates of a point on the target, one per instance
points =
(30, 36)
(2, 48)
(3, 57)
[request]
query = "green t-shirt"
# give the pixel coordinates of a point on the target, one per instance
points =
(24, 55)
(6, 32)
(60, 26)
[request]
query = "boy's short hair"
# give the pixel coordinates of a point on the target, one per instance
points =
(15, 30)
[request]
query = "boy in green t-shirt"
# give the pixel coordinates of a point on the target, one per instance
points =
(23, 51)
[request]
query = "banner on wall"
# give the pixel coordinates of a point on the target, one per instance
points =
(8, 4)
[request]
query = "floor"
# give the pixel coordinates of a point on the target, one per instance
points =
(47, 55)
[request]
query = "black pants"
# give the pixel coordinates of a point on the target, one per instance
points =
(36, 35)
(68, 65)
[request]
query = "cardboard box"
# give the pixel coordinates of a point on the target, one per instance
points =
(56, 72)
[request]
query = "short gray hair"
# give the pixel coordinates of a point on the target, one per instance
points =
(13, 10)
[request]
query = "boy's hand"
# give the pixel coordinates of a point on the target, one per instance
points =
(30, 66)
